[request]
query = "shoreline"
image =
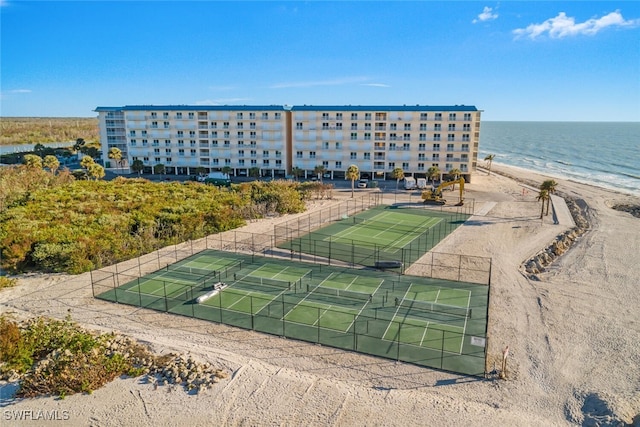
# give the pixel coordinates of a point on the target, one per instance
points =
(526, 171)
(574, 353)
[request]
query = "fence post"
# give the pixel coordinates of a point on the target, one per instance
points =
(93, 291)
(442, 352)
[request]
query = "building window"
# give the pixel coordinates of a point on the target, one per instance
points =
(145, 142)
(451, 137)
(133, 142)
(239, 116)
(452, 127)
(241, 162)
(367, 116)
(299, 126)
(312, 154)
(354, 116)
(436, 137)
(438, 116)
(354, 136)
(392, 165)
(450, 147)
(265, 163)
(265, 153)
(325, 145)
(367, 156)
(166, 125)
(420, 166)
(436, 147)
(465, 147)
(298, 154)
(393, 126)
(132, 133)
(325, 126)
(180, 134)
(278, 116)
(338, 165)
(367, 136)
(422, 147)
(435, 157)
(178, 115)
(338, 146)
(325, 116)
(241, 153)
(354, 156)
(423, 116)
(265, 116)
(405, 165)
(252, 116)
(156, 151)
(191, 115)
(421, 156)
(452, 116)
(407, 126)
(181, 152)
(154, 115)
(423, 126)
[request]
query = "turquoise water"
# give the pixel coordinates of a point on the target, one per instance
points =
(605, 154)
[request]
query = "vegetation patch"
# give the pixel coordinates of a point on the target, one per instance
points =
(53, 357)
(33, 130)
(54, 223)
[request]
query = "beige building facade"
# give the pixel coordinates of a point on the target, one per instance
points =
(273, 141)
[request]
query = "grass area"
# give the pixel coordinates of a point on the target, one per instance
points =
(34, 130)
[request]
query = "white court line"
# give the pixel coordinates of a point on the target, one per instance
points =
(395, 314)
(464, 328)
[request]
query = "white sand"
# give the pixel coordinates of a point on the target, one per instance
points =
(574, 339)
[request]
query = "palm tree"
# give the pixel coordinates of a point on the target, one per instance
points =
(397, 174)
(433, 172)
(158, 169)
(455, 172)
(353, 173)
(490, 158)
(319, 170)
(95, 171)
(226, 170)
(52, 163)
(543, 196)
(115, 154)
(137, 166)
(296, 172)
(86, 162)
(549, 185)
(32, 161)
(254, 172)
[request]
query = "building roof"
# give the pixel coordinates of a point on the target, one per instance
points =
(193, 108)
(384, 108)
(381, 108)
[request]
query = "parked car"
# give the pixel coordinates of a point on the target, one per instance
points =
(363, 183)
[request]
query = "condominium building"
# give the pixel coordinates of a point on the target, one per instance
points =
(274, 140)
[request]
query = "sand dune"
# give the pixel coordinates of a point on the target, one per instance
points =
(573, 334)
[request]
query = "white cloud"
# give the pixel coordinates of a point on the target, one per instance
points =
(486, 15)
(564, 26)
(20, 91)
(221, 88)
(335, 82)
(375, 84)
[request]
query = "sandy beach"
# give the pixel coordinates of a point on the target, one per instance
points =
(573, 334)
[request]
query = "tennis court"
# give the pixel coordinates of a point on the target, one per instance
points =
(383, 233)
(430, 322)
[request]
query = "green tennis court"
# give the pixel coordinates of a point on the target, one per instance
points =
(431, 322)
(383, 233)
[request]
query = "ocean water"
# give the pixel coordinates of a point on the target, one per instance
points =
(605, 154)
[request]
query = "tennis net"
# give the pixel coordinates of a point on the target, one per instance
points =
(433, 307)
(274, 283)
(391, 226)
(340, 293)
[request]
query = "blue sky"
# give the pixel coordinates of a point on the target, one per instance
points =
(515, 60)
